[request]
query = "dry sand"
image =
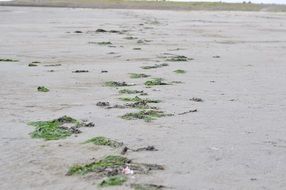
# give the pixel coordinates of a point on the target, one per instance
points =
(236, 140)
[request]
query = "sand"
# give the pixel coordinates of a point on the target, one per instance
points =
(236, 140)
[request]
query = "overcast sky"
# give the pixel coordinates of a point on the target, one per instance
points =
(233, 1)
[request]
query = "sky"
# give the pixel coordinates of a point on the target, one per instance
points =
(239, 1)
(233, 1)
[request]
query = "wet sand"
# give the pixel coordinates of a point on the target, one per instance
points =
(236, 140)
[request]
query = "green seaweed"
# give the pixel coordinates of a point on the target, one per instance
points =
(155, 66)
(113, 181)
(42, 89)
(155, 82)
(138, 99)
(127, 91)
(180, 71)
(97, 166)
(103, 141)
(146, 115)
(138, 75)
(53, 130)
(116, 84)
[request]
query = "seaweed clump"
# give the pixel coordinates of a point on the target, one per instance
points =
(180, 71)
(155, 66)
(127, 91)
(113, 181)
(104, 166)
(138, 99)
(139, 103)
(8, 60)
(194, 99)
(103, 141)
(101, 43)
(42, 89)
(155, 82)
(146, 115)
(138, 75)
(55, 129)
(117, 84)
(179, 58)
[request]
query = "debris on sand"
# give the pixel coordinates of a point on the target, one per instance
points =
(8, 60)
(80, 71)
(148, 148)
(137, 48)
(42, 89)
(116, 106)
(155, 82)
(127, 171)
(32, 65)
(180, 71)
(146, 115)
(117, 84)
(130, 38)
(138, 75)
(87, 124)
(194, 99)
(176, 82)
(100, 30)
(124, 150)
(58, 128)
(127, 91)
(186, 112)
(102, 104)
(104, 71)
(78, 32)
(140, 42)
(103, 141)
(155, 66)
(147, 187)
(179, 58)
(216, 56)
(113, 181)
(100, 43)
(53, 65)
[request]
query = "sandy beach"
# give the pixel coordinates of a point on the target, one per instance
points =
(234, 138)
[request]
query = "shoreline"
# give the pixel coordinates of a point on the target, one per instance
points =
(177, 6)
